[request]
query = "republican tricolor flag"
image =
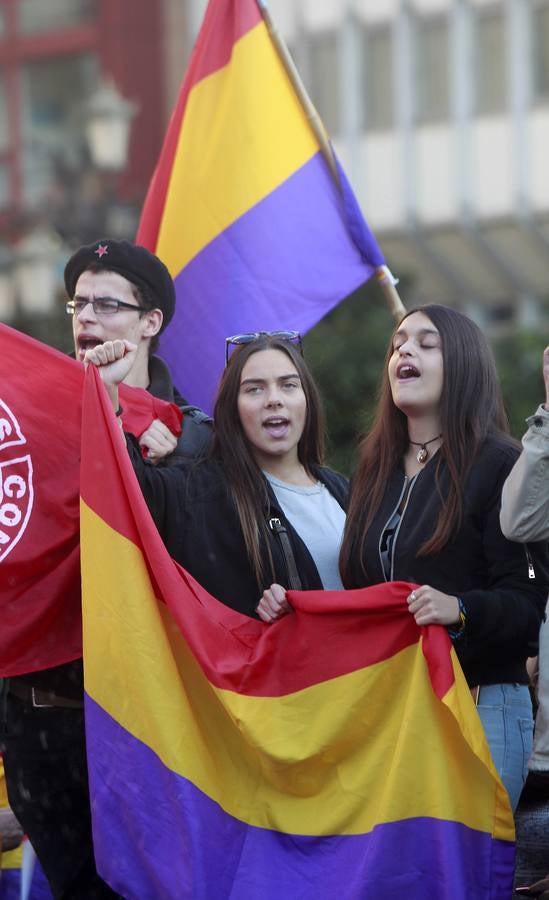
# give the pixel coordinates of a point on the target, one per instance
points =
(243, 207)
(334, 754)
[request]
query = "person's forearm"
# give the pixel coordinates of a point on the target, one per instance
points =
(525, 496)
(112, 390)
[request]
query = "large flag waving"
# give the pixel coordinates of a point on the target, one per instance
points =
(242, 207)
(336, 753)
(40, 417)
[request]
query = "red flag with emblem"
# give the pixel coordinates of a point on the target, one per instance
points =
(40, 414)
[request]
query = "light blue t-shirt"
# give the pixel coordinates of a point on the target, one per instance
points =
(319, 520)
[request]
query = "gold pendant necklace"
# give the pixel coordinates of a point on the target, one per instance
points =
(422, 454)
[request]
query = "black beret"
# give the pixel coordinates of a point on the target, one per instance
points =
(135, 263)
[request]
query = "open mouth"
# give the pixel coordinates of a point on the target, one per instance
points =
(86, 343)
(406, 371)
(276, 426)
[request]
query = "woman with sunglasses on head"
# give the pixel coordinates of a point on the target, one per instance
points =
(261, 513)
(424, 508)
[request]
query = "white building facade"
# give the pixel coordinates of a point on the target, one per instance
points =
(439, 110)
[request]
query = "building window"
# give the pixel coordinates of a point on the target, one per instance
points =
(4, 145)
(4, 187)
(540, 21)
(377, 78)
(500, 314)
(324, 77)
(490, 70)
(52, 131)
(432, 61)
(51, 15)
(4, 131)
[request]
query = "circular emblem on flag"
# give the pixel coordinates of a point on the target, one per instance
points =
(16, 487)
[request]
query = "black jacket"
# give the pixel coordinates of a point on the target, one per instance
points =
(503, 584)
(194, 512)
(197, 434)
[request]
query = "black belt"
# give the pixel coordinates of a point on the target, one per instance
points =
(40, 698)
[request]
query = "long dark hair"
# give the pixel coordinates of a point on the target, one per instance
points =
(471, 409)
(232, 448)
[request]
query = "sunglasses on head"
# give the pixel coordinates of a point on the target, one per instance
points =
(293, 337)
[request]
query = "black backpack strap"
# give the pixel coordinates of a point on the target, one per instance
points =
(194, 412)
(196, 439)
(278, 528)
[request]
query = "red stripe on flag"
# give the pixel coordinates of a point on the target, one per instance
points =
(225, 22)
(314, 646)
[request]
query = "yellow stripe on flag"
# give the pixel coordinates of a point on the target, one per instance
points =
(275, 762)
(243, 135)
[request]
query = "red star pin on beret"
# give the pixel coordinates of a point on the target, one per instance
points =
(136, 264)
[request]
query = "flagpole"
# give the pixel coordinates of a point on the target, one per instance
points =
(388, 283)
(386, 279)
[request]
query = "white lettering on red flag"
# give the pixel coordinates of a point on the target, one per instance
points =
(16, 485)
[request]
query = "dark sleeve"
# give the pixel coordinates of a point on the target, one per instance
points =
(197, 436)
(511, 608)
(164, 489)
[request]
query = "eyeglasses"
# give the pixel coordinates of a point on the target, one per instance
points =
(103, 306)
(293, 337)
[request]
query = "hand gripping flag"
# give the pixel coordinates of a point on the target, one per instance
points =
(242, 207)
(40, 415)
(336, 753)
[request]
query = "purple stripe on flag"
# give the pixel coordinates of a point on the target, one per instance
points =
(282, 265)
(10, 884)
(162, 837)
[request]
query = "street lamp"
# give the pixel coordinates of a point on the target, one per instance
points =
(107, 127)
(87, 208)
(34, 272)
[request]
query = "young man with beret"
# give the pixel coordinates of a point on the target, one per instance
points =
(116, 290)
(120, 290)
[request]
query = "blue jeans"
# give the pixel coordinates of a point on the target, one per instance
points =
(505, 711)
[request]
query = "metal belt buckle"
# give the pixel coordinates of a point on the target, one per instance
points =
(39, 705)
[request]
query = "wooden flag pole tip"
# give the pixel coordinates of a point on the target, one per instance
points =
(388, 284)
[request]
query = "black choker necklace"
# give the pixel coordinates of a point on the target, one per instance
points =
(422, 454)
